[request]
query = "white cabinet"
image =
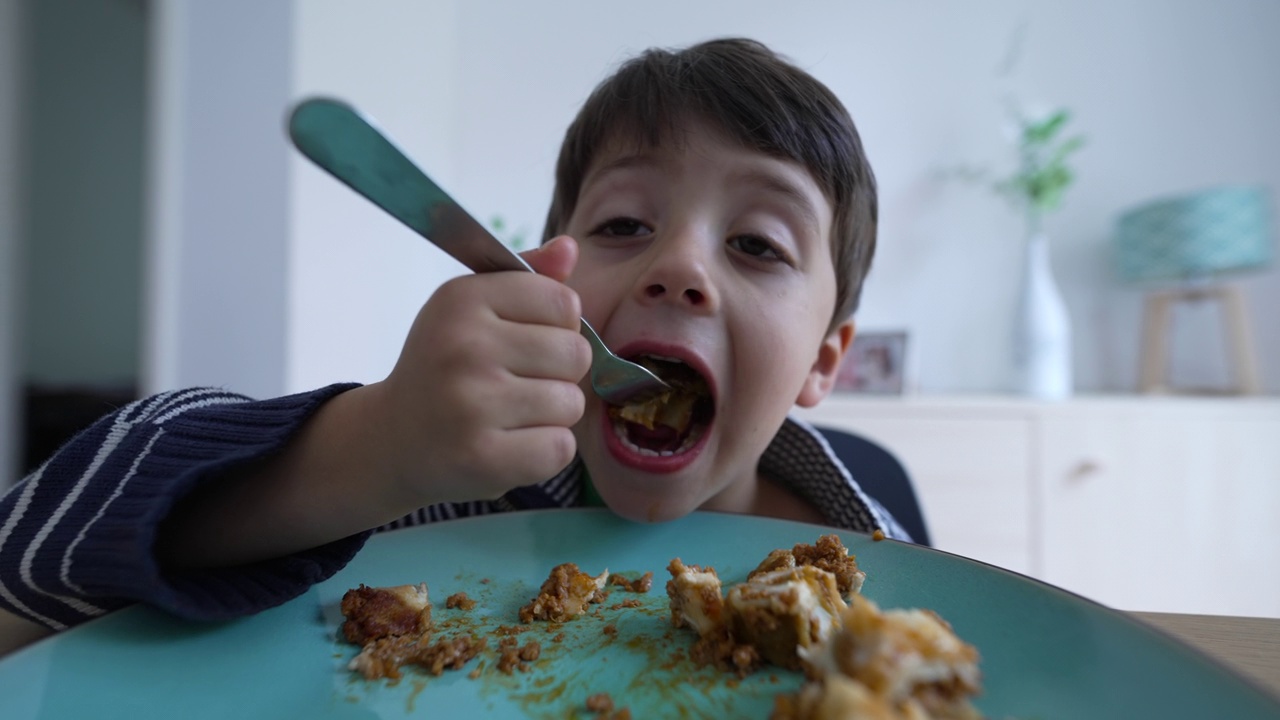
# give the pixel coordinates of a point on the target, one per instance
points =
(1169, 507)
(969, 469)
(1158, 504)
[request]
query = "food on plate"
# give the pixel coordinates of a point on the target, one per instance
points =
(459, 600)
(674, 408)
(393, 626)
(512, 656)
(602, 705)
(564, 594)
(642, 584)
(840, 698)
(696, 599)
(801, 609)
(911, 659)
(600, 702)
(383, 657)
(792, 599)
(378, 612)
(827, 554)
(783, 612)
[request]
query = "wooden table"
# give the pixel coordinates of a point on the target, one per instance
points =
(1250, 646)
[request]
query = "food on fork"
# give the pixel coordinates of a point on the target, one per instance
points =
(564, 594)
(378, 612)
(674, 407)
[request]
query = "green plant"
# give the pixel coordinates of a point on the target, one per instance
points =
(512, 239)
(1042, 175)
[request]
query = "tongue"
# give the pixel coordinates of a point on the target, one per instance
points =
(660, 438)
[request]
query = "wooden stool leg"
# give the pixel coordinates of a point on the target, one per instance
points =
(1155, 342)
(1240, 339)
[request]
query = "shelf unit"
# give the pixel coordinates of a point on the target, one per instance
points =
(1162, 504)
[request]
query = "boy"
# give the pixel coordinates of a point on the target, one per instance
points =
(713, 215)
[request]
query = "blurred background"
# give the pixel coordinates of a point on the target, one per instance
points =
(157, 231)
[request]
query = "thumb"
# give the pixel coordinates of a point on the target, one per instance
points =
(555, 259)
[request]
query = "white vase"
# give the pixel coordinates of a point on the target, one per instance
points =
(1042, 330)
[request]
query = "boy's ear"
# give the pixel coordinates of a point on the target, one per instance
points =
(822, 376)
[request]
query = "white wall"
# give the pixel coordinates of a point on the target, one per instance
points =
(356, 276)
(218, 184)
(10, 288)
(1173, 96)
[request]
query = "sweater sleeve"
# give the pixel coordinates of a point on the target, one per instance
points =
(77, 536)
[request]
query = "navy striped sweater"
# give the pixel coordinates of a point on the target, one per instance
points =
(77, 535)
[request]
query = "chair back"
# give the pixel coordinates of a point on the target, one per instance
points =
(882, 477)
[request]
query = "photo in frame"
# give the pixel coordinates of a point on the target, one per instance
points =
(874, 364)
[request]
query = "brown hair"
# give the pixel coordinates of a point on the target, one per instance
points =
(759, 99)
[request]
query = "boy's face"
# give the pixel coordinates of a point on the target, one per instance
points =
(717, 256)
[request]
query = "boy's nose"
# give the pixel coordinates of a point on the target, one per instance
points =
(694, 296)
(679, 274)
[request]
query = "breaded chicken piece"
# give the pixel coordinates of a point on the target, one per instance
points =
(829, 554)
(782, 611)
(378, 612)
(564, 594)
(696, 599)
(901, 656)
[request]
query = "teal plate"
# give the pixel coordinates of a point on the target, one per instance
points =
(1045, 653)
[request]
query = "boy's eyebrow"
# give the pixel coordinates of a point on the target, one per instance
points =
(780, 185)
(623, 162)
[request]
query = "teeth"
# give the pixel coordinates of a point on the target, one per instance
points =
(620, 430)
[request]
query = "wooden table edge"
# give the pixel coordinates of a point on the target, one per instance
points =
(1247, 645)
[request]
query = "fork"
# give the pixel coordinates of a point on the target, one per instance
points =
(342, 141)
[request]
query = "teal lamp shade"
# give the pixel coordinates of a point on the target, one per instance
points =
(1216, 231)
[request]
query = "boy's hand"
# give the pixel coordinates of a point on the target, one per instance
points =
(480, 401)
(485, 390)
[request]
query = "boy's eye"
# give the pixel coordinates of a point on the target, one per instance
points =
(621, 227)
(757, 247)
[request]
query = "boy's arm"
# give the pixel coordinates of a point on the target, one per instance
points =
(77, 537)
(326, 483)
(480, 402)
(210, 506)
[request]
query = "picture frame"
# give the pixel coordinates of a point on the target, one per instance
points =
(874, 364)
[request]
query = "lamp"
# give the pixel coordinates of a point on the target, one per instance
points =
(1194, 240)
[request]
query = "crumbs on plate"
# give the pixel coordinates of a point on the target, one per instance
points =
(801, 609)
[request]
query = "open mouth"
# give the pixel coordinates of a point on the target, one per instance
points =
(670, 422)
